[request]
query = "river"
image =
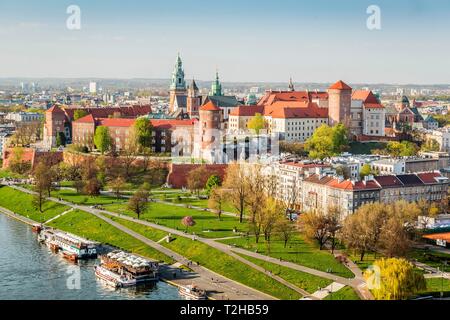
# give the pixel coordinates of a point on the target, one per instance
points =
(30, 271)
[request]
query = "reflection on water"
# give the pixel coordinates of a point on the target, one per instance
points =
(30, 271)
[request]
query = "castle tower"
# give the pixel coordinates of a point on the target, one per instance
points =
(216, 87)
(55, 119)
(178, 84)
(339, 104)
(210, 122)
(193, 100)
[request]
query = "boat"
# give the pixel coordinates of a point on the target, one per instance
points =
(70, 256)
(120, 269)
(36, 228)
(54, 247)
(192, 292)
(69, 243)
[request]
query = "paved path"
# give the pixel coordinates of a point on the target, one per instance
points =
(332, 288)
(58, 216)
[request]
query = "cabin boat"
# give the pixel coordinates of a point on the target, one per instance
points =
(192, 292)
(68, 243)
(120, 269)
(70, 256)
(37, 228)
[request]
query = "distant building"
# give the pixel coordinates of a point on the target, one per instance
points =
(93, 87)
(24, 116)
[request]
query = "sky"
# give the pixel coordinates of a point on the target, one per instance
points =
(246, 40)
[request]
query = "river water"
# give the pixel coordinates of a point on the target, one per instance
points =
(30, 271)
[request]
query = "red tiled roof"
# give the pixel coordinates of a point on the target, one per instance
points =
(273, 96)
(438, 236)
(163, 123)
(115, 122)
(55, 109)
(429, 177)
(365, 96)
(209, 106)
(373, 105)
(291, 110)
(247, 111)
(388, 181)
(86, 119)
(340, 85)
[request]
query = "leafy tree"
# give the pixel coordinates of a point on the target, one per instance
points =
(401, 149)
(237, 186)
(143, 132)
(257, 123)
(90, 182)
(315, 227)
(60, 139)
(430, 145)
(327, 141)
(213, 182)
(139, 202)
(294, 148)
(17, 164)
(366, 170)
(188, 222)
(286, 228)
(394, 279)
(196, 179)
(118, 185)
(42, 183)
(216, 200)
(78, 114)
(102, 139)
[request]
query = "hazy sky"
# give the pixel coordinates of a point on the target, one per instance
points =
(247, 40)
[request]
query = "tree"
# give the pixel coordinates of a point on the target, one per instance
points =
(118, 185)
(143, 132)
(333, 226)
(430, 145)
(401, 149)
(394, 279)
(42, 180)
(213, 182)
(272, 213)
(216, 200)
(91, 184)
(257, 123)
(236, 184)
(60, 139)
(102, 139)
(314, 226)
(366, 170)
(294, 148)
(286, 228)
(128, 155)
(196, 179)
(17, 164)
(138, 203)
(256, 193)
(78, 114)
(188, 222)
(327, 141)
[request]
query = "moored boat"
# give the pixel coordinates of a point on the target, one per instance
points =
(192, 292)
(121, 269)
(69, 243)
(70, 256)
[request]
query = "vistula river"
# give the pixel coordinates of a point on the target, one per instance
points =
(30, 271)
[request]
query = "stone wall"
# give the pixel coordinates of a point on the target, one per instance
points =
(178, 173)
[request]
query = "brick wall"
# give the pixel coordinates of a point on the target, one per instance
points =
(178, 173)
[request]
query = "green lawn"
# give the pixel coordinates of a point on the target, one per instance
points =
(432, 258)
(207, 223)
(5, 173)
(435, 286)
(22, 203)
(91, 227)
(297, 251)
(217, 261)
(74, 197)
(303, 280)
(346, 293)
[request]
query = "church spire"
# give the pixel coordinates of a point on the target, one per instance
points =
(178, 82)
(291, 85)
(216, 87)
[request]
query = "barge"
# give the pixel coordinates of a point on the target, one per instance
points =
(120, 269)
(192, 292)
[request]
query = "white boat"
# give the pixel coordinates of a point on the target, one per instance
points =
(69, 243)
(192, 292)
(113, 279)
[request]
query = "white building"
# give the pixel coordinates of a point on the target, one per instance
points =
(24, 116)
(93, 87)
(389, 166)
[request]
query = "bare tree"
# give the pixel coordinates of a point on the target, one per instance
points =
(236, 183)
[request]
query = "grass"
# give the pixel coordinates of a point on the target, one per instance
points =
(346, 293)
(297, 251)
(6, 173)
(369, 259)
(91, 227)
(74, 197)
(207, 223)
(435, 286)
(432, 258)
(303, 280)
(217, 261)
(22, 203)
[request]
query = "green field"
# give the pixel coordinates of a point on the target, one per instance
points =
(303, 280)
(91, 227)
(346, 293)
(207, 223)
(297, 251)
(74, 197)
(22, 203)
(435, 286)
(432, 258)
(217, 261)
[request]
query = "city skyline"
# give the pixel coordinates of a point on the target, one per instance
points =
(246, 42)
